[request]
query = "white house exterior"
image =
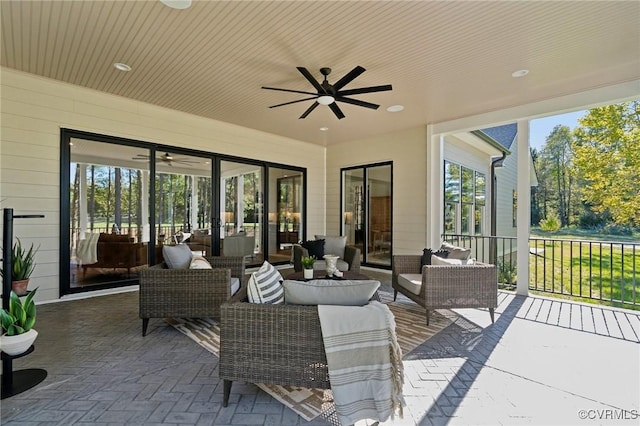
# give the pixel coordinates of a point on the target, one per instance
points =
(35, 109)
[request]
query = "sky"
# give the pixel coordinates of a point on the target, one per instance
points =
(539, 129)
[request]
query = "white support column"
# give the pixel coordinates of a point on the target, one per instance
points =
(144, 211)
(240, 204)
(83, 211)
(194, 203)
(524, 207)
(435, 203)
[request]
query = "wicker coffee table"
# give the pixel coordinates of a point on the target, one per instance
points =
(321, 274)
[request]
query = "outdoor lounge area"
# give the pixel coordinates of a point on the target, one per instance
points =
(543, 362)
(269, 130)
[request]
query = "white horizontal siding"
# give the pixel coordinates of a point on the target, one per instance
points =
(507, 179)
(34, 109)
(407, 149)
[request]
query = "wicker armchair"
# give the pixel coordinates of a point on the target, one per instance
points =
(275, 344)
(188, 293)
(442, 287)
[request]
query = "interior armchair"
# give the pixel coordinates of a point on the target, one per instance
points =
(349, 256)
(189, 293)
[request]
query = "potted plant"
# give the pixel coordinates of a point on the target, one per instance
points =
(22, 266)
(307, 265)
(17, 324)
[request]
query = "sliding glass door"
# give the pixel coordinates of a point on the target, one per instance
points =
(123, 201)
(108, 206)
(182, 202)
(286, 212)
(367, 211)
(242, 210)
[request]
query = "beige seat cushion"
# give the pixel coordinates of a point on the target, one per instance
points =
(412, 282)
(329, 292)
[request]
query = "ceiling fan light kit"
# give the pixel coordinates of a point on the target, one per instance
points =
(167, 159)
(330, 94)
(326, 100)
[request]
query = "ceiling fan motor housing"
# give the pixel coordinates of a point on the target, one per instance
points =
(329, 94)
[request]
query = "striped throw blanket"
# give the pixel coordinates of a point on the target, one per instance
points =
(364, 361)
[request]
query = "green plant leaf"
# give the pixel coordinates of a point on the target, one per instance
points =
(7, 320)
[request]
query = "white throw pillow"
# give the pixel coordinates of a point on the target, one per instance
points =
(435, 260)
(329, 292)
(177, 256)
(456, 252)
(265, 285)
(199, 262)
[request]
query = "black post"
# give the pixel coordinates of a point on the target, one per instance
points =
(7, 239)
(19, 381)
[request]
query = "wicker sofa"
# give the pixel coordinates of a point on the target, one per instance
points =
(275, 344)
(188, 293)
(446, 287)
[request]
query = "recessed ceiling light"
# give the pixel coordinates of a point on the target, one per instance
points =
(176, 4)
(324, 128)
(122, 67)
(519, 73)
(395, 108)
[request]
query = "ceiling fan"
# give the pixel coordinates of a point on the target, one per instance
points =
(329, 94)
(167, 159)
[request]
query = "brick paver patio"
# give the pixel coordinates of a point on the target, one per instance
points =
(543, 362)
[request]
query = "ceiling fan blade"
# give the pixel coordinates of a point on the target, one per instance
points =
(360, 90)
(347, 78)
(293, 102)
(308, 111)
(311, 79)
(336, 110)
(289, 90)
(357, 102)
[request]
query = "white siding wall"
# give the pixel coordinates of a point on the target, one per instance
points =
(408, 151)
(507, 179)
(33, 110)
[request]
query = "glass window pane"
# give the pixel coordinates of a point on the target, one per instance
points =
(450, 218)
(451, 181)
(286, 215)
(241, 210)
(467, 185)
(353, 181)
(379, 191)
(478, 218)
(466, 219)
(108, 195)
(481, 189)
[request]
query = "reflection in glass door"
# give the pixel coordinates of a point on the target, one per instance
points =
(182, 202)
(108, 213)
(241, 211)
(367, 211)
(286, 215)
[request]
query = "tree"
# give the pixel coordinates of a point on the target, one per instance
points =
(607, 159)
(554, 167)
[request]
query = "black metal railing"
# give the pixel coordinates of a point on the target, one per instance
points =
(605, 271)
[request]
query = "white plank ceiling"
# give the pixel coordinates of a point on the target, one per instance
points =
(445, 60)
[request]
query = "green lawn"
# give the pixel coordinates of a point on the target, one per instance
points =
(607, 272)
